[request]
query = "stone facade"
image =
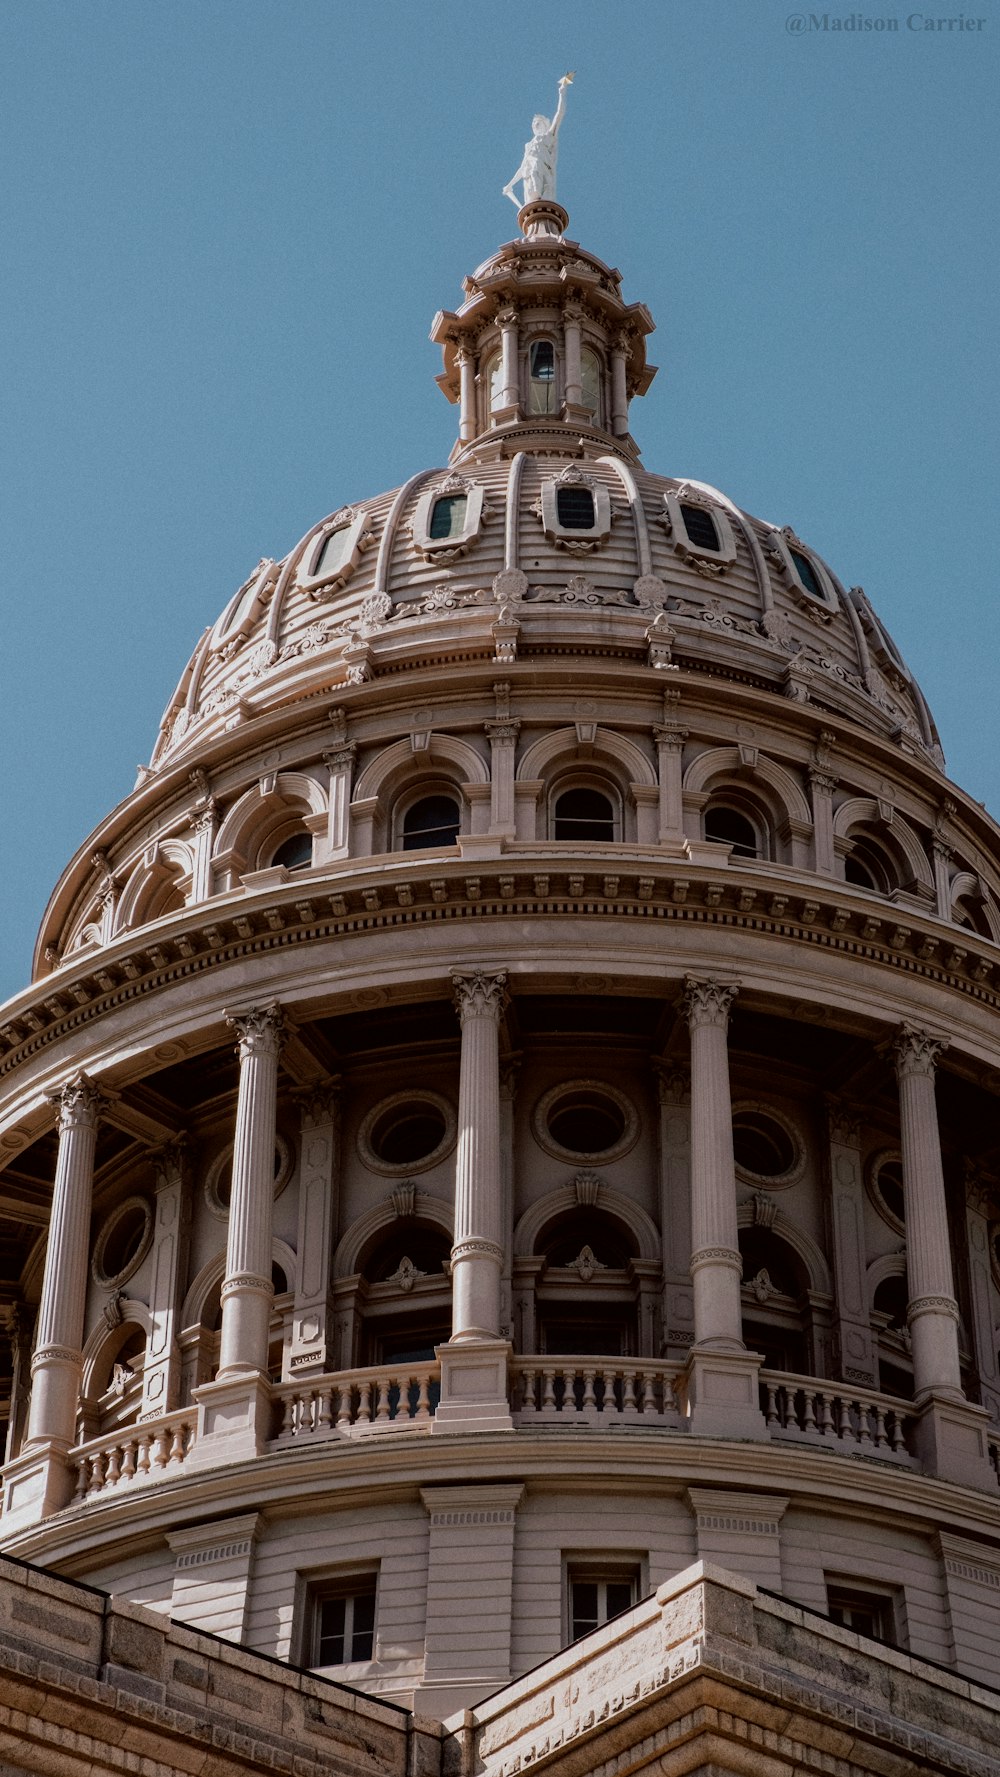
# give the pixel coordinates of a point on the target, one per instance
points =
(506, 1109)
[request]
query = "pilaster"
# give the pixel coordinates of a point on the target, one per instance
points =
(741, 1532)
(469, 1594)
(161, 1377)
(212, 1575)
(312, 1349)
(674, 1091)
(856, 1346)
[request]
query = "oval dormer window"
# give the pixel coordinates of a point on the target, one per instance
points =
(449, 516)
(807, 574)
(334, 553)
(700, 527)
(575, 508)
(542, 377)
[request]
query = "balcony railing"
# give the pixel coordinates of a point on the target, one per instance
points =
(384, 1398)
(827, 1413)
(596, 1391)
(134, 1453)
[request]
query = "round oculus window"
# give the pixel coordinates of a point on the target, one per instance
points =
(219, 1179)
(885, 1188)
(408, 1132)
(123, 1242)
(766, 1148)
(585, 1120)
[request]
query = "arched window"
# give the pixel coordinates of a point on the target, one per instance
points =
(972, 915)
(492, 379)
(586, 1296)
(868, 866)
(776, 1315)
(407, 1300)
(434, 820)
(591, 381)
(542, 377)
(295, 852)
(116, 1386)
(583, 813)
(895, 1369)
(731, 826)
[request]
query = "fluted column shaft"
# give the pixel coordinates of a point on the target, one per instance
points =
(247, 1293)
(510, 395)
(467, 427)
(619, 394)
(932, 1311)
(58, 1359)
(573, 387)
(477, 1255)
(716, 1267)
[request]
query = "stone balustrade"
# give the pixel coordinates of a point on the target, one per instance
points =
(134, 1453)
(383, 1398)
(801, 1407)
(595, 1390)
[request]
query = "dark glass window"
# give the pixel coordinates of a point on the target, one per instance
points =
(807, 574)
(542, 374)
(594, 1602)
(334, 552)
(867, 868)
(346, 1627)
(575, 508)
(700, 527)
(408, 1133)
(584, 814)
(448, 516)
(434, 820)
(586, 1122)
(295, 853)
(732, 828)
(762, 1145)
(865, 1612)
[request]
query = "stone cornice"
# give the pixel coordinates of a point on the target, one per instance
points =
(801, 909)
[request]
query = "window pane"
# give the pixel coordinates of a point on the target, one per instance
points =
(585, 1612)
(807, 574)
(700, 527)
(434, 820)
(590, 380)
(619, 1597)
(363, 1632)
(334, 552)
(332, 1613)
(448, 516)
(584, 814)
(732, 828)
(295, 853)
(575, 508)
(542, 377)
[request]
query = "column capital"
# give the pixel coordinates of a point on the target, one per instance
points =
(341, 758)
(823, 781)
(843, 1123)
(916, 1052)
(80, 1102)
(260, 1029)
(669, 738)
(708, 1002)
(478, 995)
(504, 731)
(319, 1103)
(171, 1162)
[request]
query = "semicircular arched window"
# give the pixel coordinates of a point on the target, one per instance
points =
(584, 813)
(433, 820)
(868, 866)
(729, 826)
(295, 852)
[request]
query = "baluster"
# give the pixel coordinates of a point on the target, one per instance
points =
(423, 1411)
(128, 1466)
(177, 1451)
(864, 1422)
(142, 1460)
(881, 1440)
(324, 1417)
(114, 1468)
(548, 1388)
(384, 1383)
(589, 1399)
(772, 1416)
(96, 1472)
(364, 1403)
(82, 1477)
(826, 1414)
(344, 1407)
(528, 1391)
(628, 1391)
(161, 1448)
(293, 1411)
(896, 1439)
(649, 1393)
(843, 1420)
(808, 1410)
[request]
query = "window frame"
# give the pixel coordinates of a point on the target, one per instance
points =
(353, 520)
(322, 1588)
(722, 557)
(738, 802)
(607, 1568)
(783, 542)
(602, 787)
(409, 797)
(580, 542)
(886, 1600)
(243, 608)
(448, 548)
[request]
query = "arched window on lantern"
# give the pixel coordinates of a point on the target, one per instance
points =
(492, 386)
(542, 390)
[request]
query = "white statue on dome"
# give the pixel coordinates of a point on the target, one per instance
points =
(538, 167)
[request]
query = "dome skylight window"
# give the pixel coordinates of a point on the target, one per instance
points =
(575, 508)
(334, 554)
(448, 517)
(699, 535)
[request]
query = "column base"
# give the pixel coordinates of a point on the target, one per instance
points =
(234, 1421)
(473, 1387)
(722, 1394)
(950, 1440)
(36, 1485)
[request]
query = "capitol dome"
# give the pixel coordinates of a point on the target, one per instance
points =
(506, 1109)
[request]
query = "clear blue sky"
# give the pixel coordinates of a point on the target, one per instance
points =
(227, 224)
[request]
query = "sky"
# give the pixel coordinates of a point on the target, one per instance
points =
(226, 226)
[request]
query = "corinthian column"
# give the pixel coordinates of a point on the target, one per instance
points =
(716, 1266)
(247, 1294)
(58, 1360)
(932, 1311)
(477, 1255)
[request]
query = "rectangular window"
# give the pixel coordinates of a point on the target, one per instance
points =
(867, 1613)
(343, 1622)
(598, 1594)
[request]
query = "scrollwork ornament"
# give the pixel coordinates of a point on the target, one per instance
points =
(916, 1052)
(478, 995)
(708, 1002)
(259, 1030)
